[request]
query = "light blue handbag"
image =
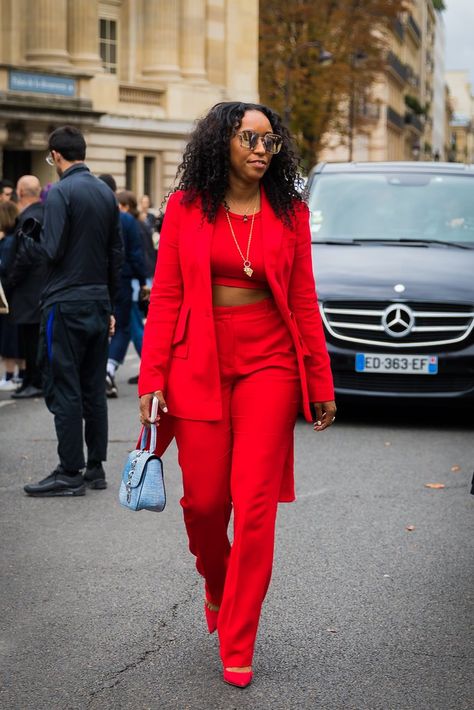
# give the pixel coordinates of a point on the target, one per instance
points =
(143, 486)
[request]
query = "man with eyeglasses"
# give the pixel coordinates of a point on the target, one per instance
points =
(83, 246)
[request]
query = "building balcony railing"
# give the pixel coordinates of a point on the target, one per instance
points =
(399, 29)
(397, 68)
(414, 27)
(395, 118)
(140, 95)
(368, 111)
(413, 79)
(414, 121)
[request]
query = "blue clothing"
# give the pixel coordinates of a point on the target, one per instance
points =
(133, 268)
(121, 338)
(136, 328)
(134, 263)
(7, 253)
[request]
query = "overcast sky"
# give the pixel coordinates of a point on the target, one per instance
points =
(459, 21)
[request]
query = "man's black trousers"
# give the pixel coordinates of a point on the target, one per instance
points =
(29, 342)
(74, 343)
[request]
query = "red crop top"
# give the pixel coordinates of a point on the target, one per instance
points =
(227, 267)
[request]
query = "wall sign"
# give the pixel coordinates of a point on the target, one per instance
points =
(41, 83)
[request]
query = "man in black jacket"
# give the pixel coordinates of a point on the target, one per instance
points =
(82, 242)
(26, 280)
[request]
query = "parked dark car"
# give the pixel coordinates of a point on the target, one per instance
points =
(394, 265)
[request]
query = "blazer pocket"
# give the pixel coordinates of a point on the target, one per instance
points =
(179, 343)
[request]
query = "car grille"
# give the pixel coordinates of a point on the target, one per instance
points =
(414, 384)
(430, 323)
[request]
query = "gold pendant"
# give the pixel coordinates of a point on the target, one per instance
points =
(248, 270)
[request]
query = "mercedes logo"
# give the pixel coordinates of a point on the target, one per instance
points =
(398, 320)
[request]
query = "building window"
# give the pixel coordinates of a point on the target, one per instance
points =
(108, 45)
(131, 172)
(149, 176)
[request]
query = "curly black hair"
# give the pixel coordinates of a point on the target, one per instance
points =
(204, 170)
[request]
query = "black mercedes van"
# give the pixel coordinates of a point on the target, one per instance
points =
(393, 251)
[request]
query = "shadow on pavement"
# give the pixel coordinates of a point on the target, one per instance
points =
(382, 412)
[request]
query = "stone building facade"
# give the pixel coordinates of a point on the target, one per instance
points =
(398, 124)
(133, 75)
(461, 126)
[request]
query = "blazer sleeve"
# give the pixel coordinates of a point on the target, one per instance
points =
(165, 300)
(303, 303)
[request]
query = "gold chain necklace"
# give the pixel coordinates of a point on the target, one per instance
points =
(244, 218)
(247, 264)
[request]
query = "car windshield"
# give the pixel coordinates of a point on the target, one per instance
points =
(406, 206)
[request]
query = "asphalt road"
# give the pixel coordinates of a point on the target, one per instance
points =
(101, 608)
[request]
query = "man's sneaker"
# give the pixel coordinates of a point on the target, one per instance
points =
(110, 387)
(27, 392)
(94, 477)
(7, 385)
(58, 483)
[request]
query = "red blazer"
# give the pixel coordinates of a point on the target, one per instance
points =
(179, 353)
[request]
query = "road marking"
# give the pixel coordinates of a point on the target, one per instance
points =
(4, 404)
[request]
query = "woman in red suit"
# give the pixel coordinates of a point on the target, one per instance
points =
(233, 349)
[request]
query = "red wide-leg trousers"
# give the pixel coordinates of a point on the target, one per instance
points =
(237, 463)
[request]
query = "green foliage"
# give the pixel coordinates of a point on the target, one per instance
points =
(414, 105)
(439, 5)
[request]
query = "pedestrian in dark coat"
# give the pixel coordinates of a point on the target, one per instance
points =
(9, 341)
(83, 245)
(26, 281)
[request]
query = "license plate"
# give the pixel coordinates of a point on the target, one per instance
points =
(401, 364)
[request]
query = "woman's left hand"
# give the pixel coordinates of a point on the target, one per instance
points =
(325, 415)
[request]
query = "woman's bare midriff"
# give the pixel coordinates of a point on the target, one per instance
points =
(234, 296)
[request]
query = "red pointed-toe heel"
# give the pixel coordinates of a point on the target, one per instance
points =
(240, 680)
(211, 617)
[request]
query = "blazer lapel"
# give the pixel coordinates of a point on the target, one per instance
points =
(201, 233)
(272, 233)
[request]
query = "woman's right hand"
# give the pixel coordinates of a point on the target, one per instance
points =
(145, 407)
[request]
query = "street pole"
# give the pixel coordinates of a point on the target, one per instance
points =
(351, 118)
(355, 57)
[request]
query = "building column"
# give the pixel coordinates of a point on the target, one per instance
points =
(193, 39)
(161, 40)
(83, 34)
(216, 39)
(46, 36)
(242, 31)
